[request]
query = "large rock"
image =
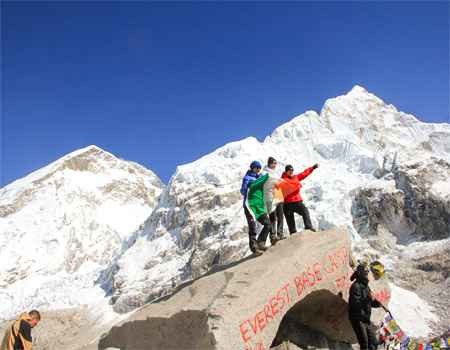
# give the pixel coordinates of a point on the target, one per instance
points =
(304, 278)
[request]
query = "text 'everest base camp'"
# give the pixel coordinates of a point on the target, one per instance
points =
(116, 259)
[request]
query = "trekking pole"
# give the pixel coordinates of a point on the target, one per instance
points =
(387, 310)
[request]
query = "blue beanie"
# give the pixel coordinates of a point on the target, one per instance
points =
(255, 164)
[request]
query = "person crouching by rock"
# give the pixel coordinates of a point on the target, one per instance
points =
(254, 207)
(18, 335)
(360, 305)
(293, 202)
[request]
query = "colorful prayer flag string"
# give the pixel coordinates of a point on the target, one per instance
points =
(391, 336)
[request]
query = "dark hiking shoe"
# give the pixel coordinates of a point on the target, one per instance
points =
(261, 246)
(281, 237)
(274, 240)
(258, 252)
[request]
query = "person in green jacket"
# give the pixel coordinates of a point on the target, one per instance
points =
(254, 207)
(255, 200)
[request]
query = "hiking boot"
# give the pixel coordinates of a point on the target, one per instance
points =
(261, 246)
(253, 245)
(274, 240)
(281, 237)
(258, 252)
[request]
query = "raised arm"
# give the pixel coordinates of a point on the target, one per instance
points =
(305, 173)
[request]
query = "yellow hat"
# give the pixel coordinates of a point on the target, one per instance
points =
(377, 269)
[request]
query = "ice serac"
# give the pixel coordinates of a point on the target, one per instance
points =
(252, 303)
(63, 224)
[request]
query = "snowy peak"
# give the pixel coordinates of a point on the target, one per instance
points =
(354, 110)
(357, 95)
(359, 92)
(93, 159)
(357, 127)
(364, 119)
(76, 215)
(90, 160)
(60, 163)
(358, 89)
(84, 158)
(87, 149)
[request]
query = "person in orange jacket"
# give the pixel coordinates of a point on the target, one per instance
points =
(293, 201)
(18, 335)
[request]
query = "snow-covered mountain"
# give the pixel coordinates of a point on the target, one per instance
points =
(383, 174)
(62, 225)
(361, 144)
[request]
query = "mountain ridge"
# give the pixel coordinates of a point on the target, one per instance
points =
(195, 222)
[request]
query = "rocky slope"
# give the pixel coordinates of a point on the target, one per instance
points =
(405, 220)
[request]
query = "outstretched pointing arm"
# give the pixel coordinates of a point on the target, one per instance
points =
(305, 173)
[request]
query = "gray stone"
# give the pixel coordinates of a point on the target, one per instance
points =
(253, 304)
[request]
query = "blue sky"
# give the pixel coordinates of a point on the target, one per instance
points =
(165, 83)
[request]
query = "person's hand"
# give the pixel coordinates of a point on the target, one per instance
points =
(315, 166)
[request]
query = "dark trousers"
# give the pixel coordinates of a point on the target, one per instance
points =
(263, 220)
(276, 221)
(299, 208)
(366, 336)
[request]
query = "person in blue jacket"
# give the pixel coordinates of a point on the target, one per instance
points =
(256, 246)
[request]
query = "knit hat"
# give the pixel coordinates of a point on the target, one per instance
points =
(255, 164)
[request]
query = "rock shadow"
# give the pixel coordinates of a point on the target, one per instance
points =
(317, 321)
(185, 330)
